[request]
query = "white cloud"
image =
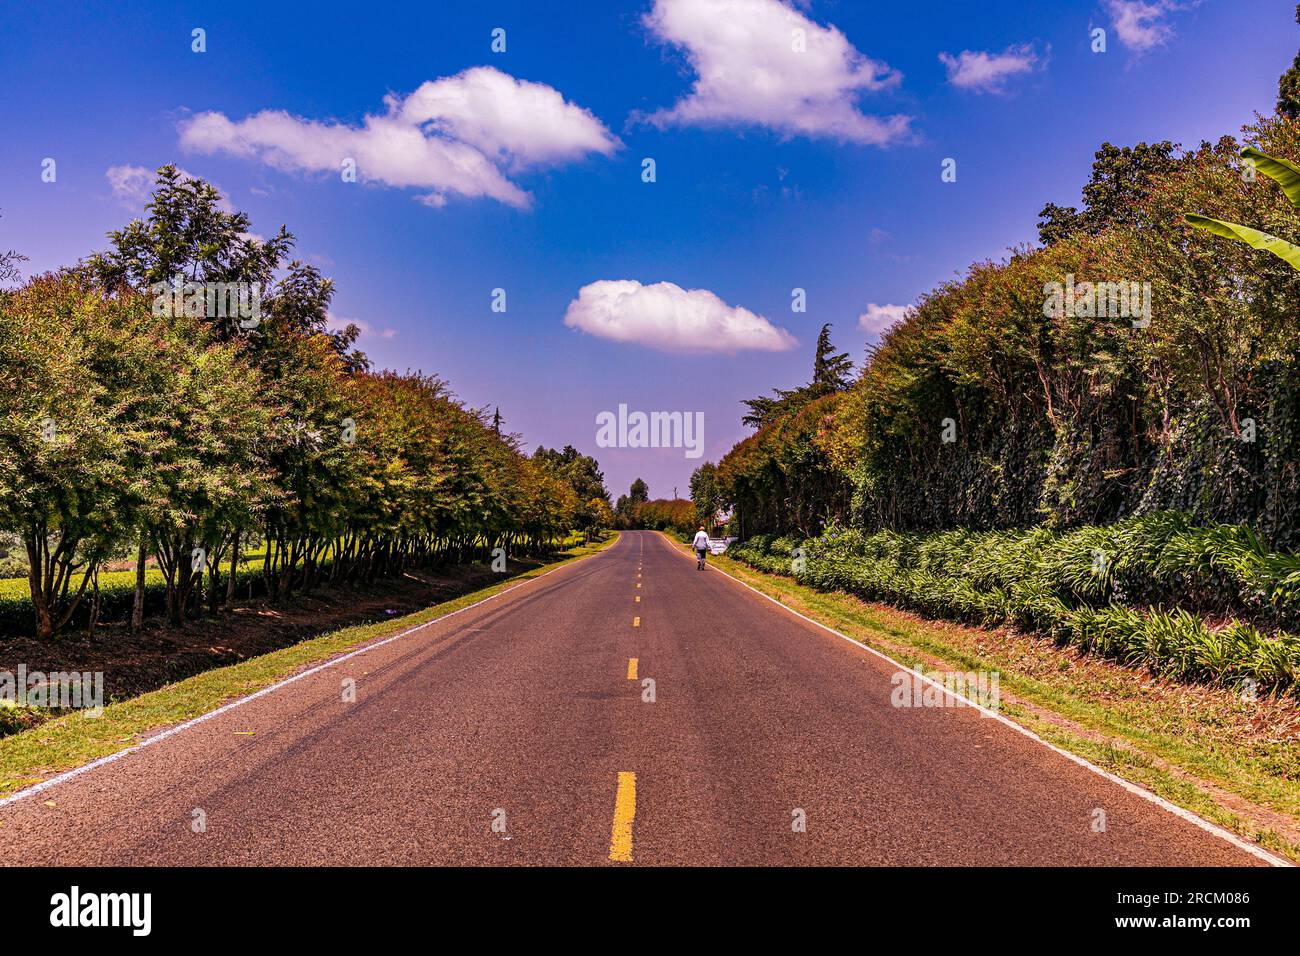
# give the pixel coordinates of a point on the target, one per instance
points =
(454, 135)
(511, 121)
(132, 185)
(1140, 24)
(879, 319)
(336, 323)
(669, 318)
(986, 72)
(748, 72)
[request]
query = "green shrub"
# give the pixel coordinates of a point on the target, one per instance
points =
(1136, 591)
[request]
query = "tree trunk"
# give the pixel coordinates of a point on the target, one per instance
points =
(36, 586)
(234, 564)
(94, 609)
(137, 603)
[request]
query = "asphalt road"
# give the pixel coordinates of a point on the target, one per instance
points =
(516, 733)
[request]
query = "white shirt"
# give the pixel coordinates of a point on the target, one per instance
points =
(701, 540)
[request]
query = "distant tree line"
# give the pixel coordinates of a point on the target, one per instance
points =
(637, 510)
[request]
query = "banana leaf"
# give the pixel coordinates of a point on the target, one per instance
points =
(1284, 171)
(1252, 237)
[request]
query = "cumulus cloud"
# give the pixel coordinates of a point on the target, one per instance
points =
(513, 122)
(458, 135)
(986, 72)
(763, 63)
(879, 319)
(1141, 24)
(669, 318)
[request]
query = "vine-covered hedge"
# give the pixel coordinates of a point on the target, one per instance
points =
(985, 408)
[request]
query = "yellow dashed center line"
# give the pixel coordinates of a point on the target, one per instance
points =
(638, 599)
(636, 622)
(631, 668)
(620, 837)
(638, 585)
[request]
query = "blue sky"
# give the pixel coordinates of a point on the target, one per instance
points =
(774, 172)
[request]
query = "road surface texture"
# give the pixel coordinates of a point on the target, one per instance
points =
(517, 732)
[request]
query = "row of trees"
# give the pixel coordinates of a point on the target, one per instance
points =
(996, 404)
(188, 437)
(583, 474)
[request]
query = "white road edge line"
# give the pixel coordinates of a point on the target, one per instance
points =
(1253, 849)
(194, 721)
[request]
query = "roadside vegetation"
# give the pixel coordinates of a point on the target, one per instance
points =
(1095, 439)
(142, 428)
(1152, 591)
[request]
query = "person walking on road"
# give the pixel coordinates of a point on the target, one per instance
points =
(701, 547)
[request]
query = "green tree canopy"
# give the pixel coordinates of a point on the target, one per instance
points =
(832, 372)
